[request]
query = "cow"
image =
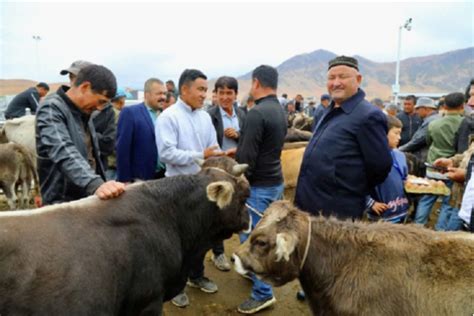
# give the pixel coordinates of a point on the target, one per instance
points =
(17, 168)
(291, 159)
(302, 122)
(21, 131)
(357, 268)
(296, 135)
(123, 256)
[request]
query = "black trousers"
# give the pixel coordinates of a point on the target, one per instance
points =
(197, 268)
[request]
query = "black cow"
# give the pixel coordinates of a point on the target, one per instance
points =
(123, 256)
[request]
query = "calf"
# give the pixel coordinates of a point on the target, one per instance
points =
(355, 268)
(16, 168)
(123, 256)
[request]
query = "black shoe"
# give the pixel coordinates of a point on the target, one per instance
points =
(300, 295)
(252, 306)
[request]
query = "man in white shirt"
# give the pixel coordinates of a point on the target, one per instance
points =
(184, 132)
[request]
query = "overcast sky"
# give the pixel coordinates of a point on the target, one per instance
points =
(161, 39)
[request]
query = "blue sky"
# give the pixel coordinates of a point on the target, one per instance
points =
(140, 40)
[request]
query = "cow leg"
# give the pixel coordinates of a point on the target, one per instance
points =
(25, 190)
(155, 308)
(9, 190)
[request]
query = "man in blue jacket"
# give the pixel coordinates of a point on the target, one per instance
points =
(137, 155)
(348, 154)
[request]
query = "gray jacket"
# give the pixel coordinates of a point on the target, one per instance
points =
(63, 168)
(417, 145)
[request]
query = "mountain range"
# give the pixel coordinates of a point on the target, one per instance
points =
(443, 73)
(306, 74)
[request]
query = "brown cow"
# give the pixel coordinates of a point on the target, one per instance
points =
(290, 165)
(16, 167)
(356, 268)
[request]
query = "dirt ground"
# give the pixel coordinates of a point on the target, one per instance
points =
(233, 290)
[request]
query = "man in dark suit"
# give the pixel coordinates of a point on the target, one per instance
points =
(137, 156)
(348, 154)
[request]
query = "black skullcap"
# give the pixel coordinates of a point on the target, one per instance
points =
(344, 60)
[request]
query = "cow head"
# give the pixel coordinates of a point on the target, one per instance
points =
(229, 189)
(276, 248)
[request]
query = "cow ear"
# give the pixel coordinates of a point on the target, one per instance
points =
(285, 245)
(220, 192)
(239, 169)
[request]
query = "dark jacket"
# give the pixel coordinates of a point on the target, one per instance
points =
(391, 191)
(105, 127)
(417, 145)
(346, 158)
(63, 168)
(411, 123)
(27, 99)
(261, 142)
(136, 150)
(216, 118)
(465, 134)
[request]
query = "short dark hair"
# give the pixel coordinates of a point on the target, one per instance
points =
(101, 80)
(393, 122)
(227, 82)
(454, 100)
(284, 95)
(267, 76)
(190, 75)
(468, 89)
(170, 82)
(411, 97)
(43, 85)
(150, 82)
(170, 94)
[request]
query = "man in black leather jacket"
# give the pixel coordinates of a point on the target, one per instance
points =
(69, 166)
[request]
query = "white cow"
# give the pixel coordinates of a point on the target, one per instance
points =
(21, 131)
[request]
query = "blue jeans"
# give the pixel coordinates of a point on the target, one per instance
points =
(425, 204)
(260, 198)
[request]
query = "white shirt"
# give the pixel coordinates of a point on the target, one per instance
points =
(181, 136)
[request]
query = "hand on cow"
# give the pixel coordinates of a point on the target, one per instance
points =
(231, 152)
(443, 162)
(379, 208)
(231, 133)
(456, 174)
(212, 151)
(110, 190)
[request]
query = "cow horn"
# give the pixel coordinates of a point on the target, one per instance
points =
(199, 161)
(239, 169)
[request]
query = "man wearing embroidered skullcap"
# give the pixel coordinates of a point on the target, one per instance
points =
(348, 154)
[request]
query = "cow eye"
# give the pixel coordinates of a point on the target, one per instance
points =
(260, 243)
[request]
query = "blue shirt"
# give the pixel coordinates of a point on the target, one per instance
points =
(229, 121)
(182, 134)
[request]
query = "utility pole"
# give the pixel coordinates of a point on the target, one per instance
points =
(37, 39)
(396, 86)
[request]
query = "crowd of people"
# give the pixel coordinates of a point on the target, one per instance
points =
(355, 163)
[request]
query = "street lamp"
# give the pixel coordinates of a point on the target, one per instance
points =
(37, 39)
(396, 86)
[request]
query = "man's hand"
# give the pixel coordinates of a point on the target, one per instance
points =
(212, 151)
(443, 162)
(231, 133)
(231, 152)
(456, 174)
(379, 208)
(110, 190)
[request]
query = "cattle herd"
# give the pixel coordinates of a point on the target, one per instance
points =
(128, 255)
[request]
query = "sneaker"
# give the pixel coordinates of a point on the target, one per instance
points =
(180, 300)
(300, 295)
(252, 306)
(221, 262)
(204, 284)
